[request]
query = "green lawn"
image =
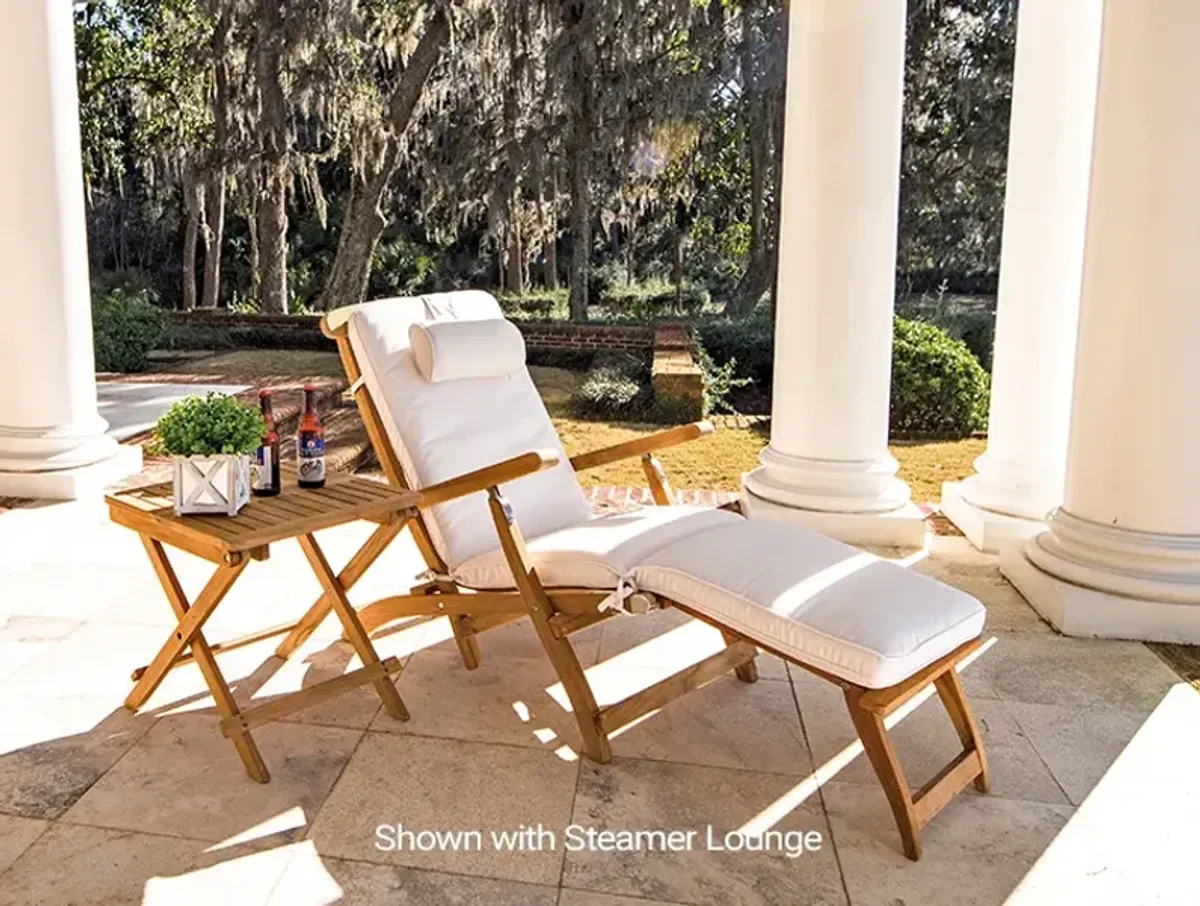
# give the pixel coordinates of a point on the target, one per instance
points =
(714, 462)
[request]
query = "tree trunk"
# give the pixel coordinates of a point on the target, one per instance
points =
(194, 207)
(214, 221)
(361, 229)
(550, 244)
(514, 272)
(364, 221)
(272, 199)
(255, 257)
(581, 238)
(677, 269)
(759, 272)
(214, 202)
(272, 241)
(550, 252)
(581, 24)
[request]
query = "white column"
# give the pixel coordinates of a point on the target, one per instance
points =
(828, 464)
(1020, 477)
(1121, 557)
(52, 441)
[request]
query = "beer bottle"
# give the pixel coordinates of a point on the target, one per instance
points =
(264, 471)
(310, 443)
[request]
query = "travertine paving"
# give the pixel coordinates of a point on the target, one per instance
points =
(1092, 745)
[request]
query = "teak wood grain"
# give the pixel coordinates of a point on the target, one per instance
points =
(233, 543)
(264, 520)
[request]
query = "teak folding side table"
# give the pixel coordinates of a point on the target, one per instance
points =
(231, 543)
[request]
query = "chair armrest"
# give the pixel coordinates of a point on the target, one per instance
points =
(482, 479)
(641, 445)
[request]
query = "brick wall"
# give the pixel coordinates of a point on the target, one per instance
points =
(538, 334)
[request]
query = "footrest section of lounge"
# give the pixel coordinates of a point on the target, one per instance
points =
(880, 631)
(814, 600)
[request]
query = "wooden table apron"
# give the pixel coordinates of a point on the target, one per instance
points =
(231, 543)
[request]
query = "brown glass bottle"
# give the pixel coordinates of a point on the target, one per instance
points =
(310, 443)
(264, 471)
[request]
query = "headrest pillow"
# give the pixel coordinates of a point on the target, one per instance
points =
(455, 350)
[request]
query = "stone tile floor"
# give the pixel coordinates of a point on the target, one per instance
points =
(1092, 744)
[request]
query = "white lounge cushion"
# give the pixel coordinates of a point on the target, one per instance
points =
(460, 350)
(597, 553)
(442, 430)
(814, 599)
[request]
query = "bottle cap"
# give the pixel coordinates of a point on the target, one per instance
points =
(264, 393)
(310, 388)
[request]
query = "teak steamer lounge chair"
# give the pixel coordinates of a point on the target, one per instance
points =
(452, 413)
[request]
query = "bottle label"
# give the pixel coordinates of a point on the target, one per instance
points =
(261, 469)
(310, 457)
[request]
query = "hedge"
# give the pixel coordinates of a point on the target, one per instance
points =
(939, 389)
(126, 325)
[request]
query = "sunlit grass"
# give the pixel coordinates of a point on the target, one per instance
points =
(719, 461)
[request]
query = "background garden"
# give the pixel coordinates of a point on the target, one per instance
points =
(607, 161)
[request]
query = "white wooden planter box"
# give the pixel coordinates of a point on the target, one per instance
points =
(211, 485)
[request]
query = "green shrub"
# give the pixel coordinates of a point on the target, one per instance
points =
(126, 325)
(570, 359)
(400, 268)
(543, 304)
(968, 320)
(749, 342)
(617, 387)
(939, 389)
(648, 301)
(132, 281)
(208, 425)
(719, 380)
(604, 277)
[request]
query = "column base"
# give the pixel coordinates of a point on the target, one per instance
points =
(989, 531)
(1088, 613)
(72, 484)
(903, 527)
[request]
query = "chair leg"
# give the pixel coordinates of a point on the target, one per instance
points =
(747, 672)
(950, 690)
(878, 746)
(466, 640)
(560, 651)
(579, 692)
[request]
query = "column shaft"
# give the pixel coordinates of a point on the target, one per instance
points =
(1129, 526)
(48, 417)
(1041, 271)
(833, 322)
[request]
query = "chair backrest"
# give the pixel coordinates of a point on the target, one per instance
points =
(441, 430)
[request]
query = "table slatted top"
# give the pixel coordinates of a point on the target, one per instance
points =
(295, 511)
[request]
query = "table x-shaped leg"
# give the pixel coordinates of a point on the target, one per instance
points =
(335, 593)
(353, 571)
(188, 633)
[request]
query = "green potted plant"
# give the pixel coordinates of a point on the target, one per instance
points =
(211, 439)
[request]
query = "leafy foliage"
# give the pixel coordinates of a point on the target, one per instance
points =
(542, 304)
(618, 143)
(653, 300)
(617, 387)
(939, 388)
(719, 380)
(126, 325)
(208, 426)
(957, 99)
(965, 320)
(748, 341)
